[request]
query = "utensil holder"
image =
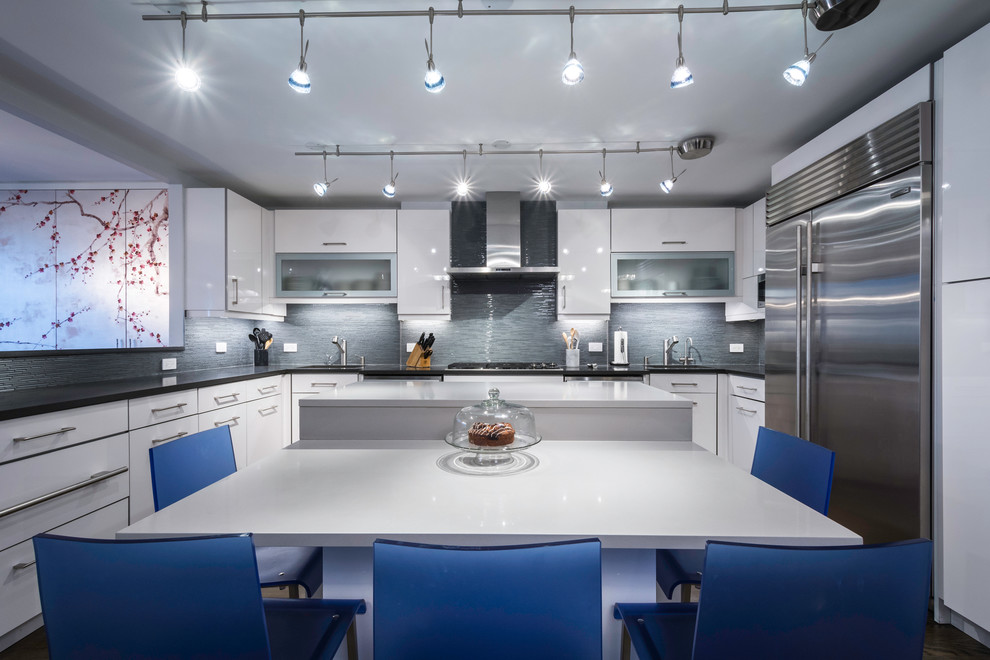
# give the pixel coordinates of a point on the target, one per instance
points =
(260, 357)
(417, 360)
(572, 357)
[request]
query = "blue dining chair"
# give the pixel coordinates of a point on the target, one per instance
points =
(193, 462)
(849, 602)
(516, 602)
(797, 467)
(177, 598)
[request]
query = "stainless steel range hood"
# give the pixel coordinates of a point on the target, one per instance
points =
(503, 222)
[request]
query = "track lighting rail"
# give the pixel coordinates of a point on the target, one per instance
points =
(482, 152)
(424, 13)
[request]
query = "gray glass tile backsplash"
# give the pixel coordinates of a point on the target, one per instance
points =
(513, 320)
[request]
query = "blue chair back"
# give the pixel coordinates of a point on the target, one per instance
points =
(190, 463)
(837, 602)
(516, 602)
(797, 467)
(179, 598)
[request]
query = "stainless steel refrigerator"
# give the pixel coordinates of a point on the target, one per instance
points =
(848, 318)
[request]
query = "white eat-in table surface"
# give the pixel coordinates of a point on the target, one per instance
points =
(632, 495)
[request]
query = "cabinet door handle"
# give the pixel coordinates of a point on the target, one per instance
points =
(65, 429)
(443, 292)
(171, 437)
(232, 422)
(745, 410)
(270, 409)
(178, 406)
(232, 397)
(674, 293)
(563, 291)
(748, 389)
(674, 243)
(236, 293)
(337, 243)
(323, 384)
(683, 384)
(338, 294)
(266, 390)
(94, 479)
(24, 564)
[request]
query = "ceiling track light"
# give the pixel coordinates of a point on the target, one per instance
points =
(605, 188)
(798, 72)
(185, 77)
(389, 189)
(682, 75)
(542, 184)
(299, 79)
(321, 188)
(573, 72)
(434, 79)
(463, 188)
(668, 184)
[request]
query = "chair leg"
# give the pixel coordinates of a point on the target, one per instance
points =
(626, 643)
(293, 591)
(352, 642)
(686, 592)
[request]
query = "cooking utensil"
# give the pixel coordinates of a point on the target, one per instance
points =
(567, 342)
(254, 340)
(268, 343)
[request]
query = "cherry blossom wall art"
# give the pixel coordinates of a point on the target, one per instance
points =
(83, 269)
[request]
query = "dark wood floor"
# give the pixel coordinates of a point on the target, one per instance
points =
(941, 641)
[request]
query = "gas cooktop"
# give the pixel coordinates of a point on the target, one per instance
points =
(504, 366)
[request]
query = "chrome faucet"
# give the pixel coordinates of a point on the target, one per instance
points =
(342, 345)
(668, 346)
(687, 359)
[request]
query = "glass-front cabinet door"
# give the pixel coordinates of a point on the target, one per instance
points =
(357, 275)
(672, 274)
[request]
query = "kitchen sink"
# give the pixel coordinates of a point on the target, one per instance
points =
(331, 367)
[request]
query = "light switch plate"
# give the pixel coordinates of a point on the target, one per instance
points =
(289, 348)
(735, 348)
(168, 364)
(594, 347)
(221, 347)
(410, 347)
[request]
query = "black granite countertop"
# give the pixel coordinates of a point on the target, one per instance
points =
(22, 403)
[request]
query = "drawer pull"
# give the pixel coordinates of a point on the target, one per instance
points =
(745, 410)
(231, 421)
(323, 384)
(337, 243)
(178, 406)
(271, 409)
(232, 397)
(673, 243)
(45, 435)
(674, 293)
(21, 566)
(266, 390)
(94, 479)
(748, 389)
(171, 437)
(683, 384)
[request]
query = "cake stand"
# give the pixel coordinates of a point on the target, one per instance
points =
(473, 459)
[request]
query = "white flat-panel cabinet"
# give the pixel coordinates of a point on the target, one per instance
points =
(702, 390)
(142, 500)
(235, 417)
(307, 385)
(759, 229)
(264, 427)
(747, 413)
(674, 230)
(965, 450)
(965, 154)
(244, 292)
(364, 230)
(422, 259)
(751, 259)
(583, 248)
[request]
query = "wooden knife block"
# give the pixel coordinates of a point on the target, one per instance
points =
(416, 359)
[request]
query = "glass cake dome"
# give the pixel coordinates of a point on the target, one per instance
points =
(494, 426)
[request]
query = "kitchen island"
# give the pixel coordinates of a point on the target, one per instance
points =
(578, 410)
(633, 496)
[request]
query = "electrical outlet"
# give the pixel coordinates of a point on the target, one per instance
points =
(168, 364)
(735, 348)
(410, 347)
(289, 348)
(221, 347)
(594, 347)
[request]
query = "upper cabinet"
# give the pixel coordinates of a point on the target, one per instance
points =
(583, 289)
(751, 259)
(298, 231)
(674, 230)
(422, 260)
(242, 284)
(965, 154)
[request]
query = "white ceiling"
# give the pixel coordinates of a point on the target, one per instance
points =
(96, 73)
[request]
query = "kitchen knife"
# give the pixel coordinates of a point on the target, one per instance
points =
(421, 340)
(429, 341)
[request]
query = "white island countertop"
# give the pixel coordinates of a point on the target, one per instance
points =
(572, 394)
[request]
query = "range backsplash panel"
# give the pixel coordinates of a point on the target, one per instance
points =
(469, 234)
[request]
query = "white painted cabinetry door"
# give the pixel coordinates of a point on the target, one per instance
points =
(583, 255)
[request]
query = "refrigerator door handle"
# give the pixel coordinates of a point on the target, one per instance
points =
(809, 305)
(798, 304)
